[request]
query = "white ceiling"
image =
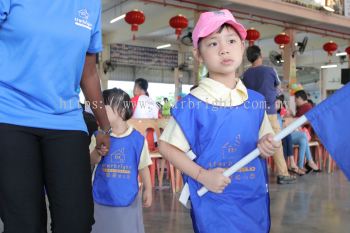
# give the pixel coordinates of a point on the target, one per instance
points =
(156, 29)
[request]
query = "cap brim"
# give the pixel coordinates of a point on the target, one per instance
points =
(210, 28)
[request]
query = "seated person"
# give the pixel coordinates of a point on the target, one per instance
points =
(299, 138)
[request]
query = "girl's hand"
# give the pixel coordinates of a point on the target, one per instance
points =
(214, 180)
(147, 198)
(268, 146)
(102, 151)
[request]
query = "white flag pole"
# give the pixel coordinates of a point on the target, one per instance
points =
(255, 153)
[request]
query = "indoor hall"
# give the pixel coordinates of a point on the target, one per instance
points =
(305, 42)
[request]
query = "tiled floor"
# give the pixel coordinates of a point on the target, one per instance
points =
(317, 203)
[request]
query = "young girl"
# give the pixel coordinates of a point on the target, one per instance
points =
(297, 137)
(115, 187)
(287, 142)
(220, 122)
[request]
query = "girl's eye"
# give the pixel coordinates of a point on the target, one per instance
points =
(232, 41)
(212, 44)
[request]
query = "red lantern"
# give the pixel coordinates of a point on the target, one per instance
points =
(178, 22)
(330, 47)
(135, 18)
(252, 35)
(347, 50)
(282, 39)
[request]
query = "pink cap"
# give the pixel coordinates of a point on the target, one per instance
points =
(211, 21)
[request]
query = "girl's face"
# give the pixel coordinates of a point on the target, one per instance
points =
(278, 104)
(113, 116)
(299, 101)
(221, 52)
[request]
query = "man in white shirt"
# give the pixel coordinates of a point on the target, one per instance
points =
(144, 106)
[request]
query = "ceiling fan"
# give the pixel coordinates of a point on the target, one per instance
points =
(301, 46)
(276, 58)
(107, 66)
(187, 38)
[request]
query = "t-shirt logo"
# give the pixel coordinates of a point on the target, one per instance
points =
(82, 19)
(83, 13)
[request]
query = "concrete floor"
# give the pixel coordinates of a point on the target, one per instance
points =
(317, 203)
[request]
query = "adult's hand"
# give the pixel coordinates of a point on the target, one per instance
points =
(102, 143)
(90, 85)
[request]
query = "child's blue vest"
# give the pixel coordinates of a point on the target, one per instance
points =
(221, 136)
(116, 176)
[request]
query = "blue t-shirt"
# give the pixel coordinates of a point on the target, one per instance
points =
(43, 45)
(263, 79)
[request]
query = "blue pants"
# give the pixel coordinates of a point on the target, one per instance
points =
(287, 146)
(299, 138)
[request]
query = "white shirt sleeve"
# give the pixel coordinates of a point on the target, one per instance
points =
(173, 135)
(145, 158)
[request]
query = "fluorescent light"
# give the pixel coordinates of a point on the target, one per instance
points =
(163, 46)
(328, 66)
(341, 54)
(117, 19)
(327, 8)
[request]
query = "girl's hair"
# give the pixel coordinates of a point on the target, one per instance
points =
(281, 98)
(225, 25)
(301, 94)
(119, 100)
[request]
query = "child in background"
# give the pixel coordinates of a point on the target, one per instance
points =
(118, 207)
(166, 108)
(220, 122)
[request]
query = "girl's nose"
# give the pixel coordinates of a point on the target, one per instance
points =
(224, 51)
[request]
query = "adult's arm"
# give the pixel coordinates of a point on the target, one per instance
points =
(90, 85)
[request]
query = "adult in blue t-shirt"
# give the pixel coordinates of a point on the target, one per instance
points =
(264, 79)
(47, 52)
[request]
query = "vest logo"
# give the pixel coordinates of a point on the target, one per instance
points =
(82, 19)
(118, 156)
(229, 148)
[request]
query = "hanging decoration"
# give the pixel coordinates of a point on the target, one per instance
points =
(178, 22)
(282, 39)
(252, 36)
(330, 47)
(135, 18)
(294, 87)
(347, 50)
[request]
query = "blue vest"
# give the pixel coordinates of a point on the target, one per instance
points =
(221, 136)
(116, 176)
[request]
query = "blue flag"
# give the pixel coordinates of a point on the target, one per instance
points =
(331, 122)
